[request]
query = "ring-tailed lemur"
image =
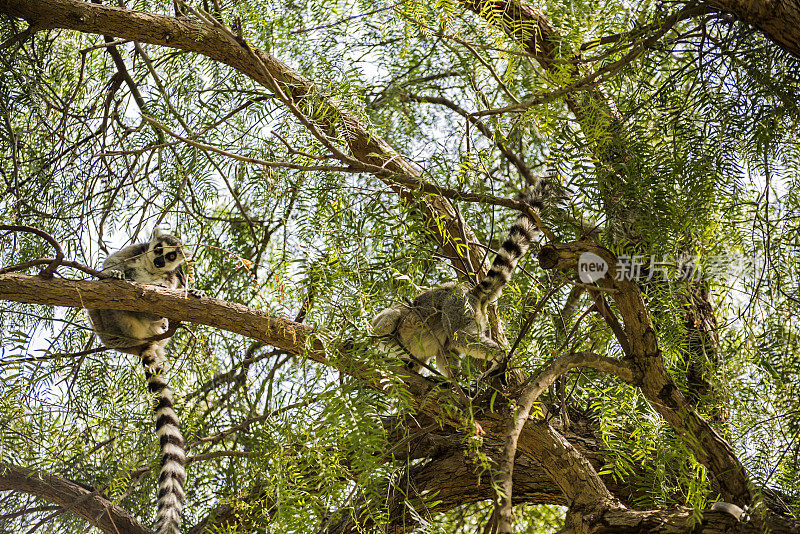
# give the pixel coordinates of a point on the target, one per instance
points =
(159, 263)
(451, 320)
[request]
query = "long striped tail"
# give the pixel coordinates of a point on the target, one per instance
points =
(520, 237)
(173, 458)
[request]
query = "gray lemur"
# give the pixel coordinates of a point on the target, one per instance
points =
(451, 320)
(159, 263)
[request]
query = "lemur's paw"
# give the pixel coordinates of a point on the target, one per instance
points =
(197, 293)
(116, 275)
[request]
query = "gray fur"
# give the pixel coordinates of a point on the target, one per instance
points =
(451, 320)
(157, 262)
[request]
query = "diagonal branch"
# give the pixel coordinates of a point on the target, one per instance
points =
(171, 303)
(778, 21)
(709, 448)
(96, 509)
(533, 30)
(494, 137)
(569, 469)
(525, 402)
(322, 113)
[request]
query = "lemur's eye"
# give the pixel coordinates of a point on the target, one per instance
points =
(171, 256)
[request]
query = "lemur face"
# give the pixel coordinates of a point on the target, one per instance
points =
(167, 251)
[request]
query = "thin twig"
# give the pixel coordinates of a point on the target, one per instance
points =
(594, 78)
(50, 269)
(495, 138)
(345, 19)
(246, 159)
(65, 263)
(263, 417)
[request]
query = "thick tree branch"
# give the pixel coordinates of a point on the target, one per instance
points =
(122, 295)
(599, 497)
(451, 476)
(778, 20)
(96, 509)
(594, 110)
(566, 466)
(622, 521)
(656, 384)
(321, 112)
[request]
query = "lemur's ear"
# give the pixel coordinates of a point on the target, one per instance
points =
(156, 233)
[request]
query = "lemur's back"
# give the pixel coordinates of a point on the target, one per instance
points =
(451, 319)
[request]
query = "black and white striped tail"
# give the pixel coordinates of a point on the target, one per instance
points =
(173, 458)
(520, 237)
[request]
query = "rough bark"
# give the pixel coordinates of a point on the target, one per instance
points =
(171, 303)
(370, 152)
(449, 476)
(96, 509)
(274, 330)
(702, 347)
(656, 384)
(593, 110)
(679, 522)
(563, 472)
(778, 20)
